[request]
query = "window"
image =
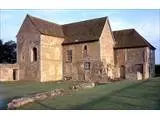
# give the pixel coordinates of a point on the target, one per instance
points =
(85, 47)
(87, 65)
(139, 68)
(69, 55)
(85, 51)
(34, 54)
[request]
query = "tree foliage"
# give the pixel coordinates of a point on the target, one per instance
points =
(7, 52)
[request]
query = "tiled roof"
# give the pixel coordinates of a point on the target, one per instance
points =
(78, 32)
(88, 31)
(84, 31)
(46, 27)
(130, 38)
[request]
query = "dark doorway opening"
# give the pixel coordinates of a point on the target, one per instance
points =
(122, 71)
(14, 74)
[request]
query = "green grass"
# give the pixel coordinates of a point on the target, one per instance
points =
(16, 89)
(20, 88)
(119, 95)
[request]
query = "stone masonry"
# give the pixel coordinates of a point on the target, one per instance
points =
(87, 50)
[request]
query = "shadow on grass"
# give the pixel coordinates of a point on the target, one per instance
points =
(88, 105)
(95, 101)
(106, 98)
(46, 106)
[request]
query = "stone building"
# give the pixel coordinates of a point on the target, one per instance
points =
(134, 56)
(86, 50)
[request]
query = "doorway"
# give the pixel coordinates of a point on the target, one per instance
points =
(122, 71)
(14, 74)
(139, 71)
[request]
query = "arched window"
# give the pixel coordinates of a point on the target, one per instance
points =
(34, 54)
(85, 51)
(85, 47)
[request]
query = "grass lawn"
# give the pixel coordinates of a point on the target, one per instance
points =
(120, 95)
(16, 89)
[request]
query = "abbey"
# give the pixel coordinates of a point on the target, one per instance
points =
(86, 50)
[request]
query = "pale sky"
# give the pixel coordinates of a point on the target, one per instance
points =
(146, 22)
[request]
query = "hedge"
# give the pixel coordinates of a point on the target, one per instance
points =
(157, 70)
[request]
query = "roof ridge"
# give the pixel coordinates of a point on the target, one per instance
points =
(33, 23)
(125, 30)
(84, 21)
(46, 27)
(43, 20)
(30, 16)
(145, 40)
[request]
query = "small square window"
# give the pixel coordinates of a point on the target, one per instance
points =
(87, 65)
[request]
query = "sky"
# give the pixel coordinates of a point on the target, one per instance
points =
(146, 22)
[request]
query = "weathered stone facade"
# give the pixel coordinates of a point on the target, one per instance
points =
(96, 54)
(27, 39)
(130, 58)
(107, 43)
(51, 58)
(86, 50)
(9, 72)
(75, 70)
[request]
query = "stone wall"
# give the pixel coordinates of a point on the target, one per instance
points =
(9, 72)
(119, 59)
(152, 62)
(51, 63)
(106, 49)
(131, 58)
(51, 58)
(27, 39)
(75, 70)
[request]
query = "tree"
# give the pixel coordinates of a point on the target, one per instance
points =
(1, 42)
(7, 52)
(1, 50)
